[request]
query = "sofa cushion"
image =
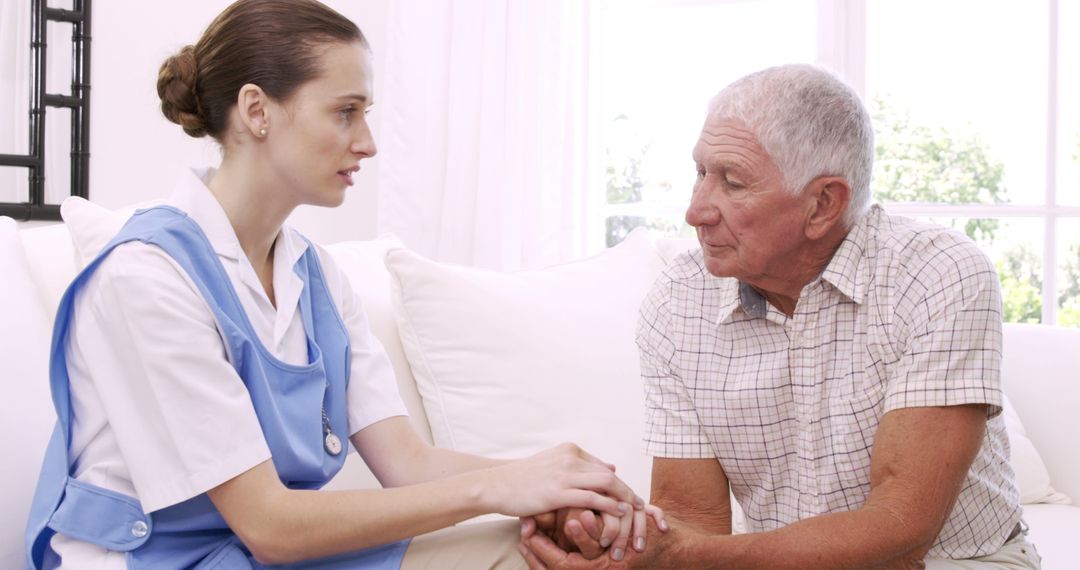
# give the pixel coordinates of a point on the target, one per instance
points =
(1032, 478)
(508, 364)
(26, 412)
(1039, 370)
(51, 258)
(92, 226)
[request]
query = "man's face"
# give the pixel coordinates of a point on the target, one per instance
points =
(747, 222)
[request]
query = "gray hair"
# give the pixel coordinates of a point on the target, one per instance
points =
(810, 123)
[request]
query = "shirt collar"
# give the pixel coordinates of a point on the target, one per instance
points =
(847, 271)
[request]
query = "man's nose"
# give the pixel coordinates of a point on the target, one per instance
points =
(702, 212)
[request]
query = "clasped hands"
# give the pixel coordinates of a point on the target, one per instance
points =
(573, 537)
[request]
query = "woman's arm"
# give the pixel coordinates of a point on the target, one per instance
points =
(431, 489)
(398, 456)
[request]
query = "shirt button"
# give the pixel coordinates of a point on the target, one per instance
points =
(138, 530)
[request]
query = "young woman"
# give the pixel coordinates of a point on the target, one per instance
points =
(208, 365)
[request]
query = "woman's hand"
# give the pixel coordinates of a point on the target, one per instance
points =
(583, 531)
(563, 476)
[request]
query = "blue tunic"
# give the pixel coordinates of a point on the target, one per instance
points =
(289, 401)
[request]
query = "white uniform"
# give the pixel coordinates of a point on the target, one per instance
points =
(158, 412)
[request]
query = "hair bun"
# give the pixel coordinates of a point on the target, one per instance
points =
(177, 87)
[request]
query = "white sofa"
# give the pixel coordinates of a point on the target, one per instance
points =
(504, 364)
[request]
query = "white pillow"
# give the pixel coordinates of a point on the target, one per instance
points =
(509, 364)
(51, 258)
(1032, 477)
(26, 411)
(92, 226)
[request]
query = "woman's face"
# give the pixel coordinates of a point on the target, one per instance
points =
(319, 135)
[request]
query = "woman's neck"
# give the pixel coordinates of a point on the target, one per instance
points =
(255, 208)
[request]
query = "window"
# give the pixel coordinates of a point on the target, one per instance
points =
(659, 63)
(44, 105)
(976, 108)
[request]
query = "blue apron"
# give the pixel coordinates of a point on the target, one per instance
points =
(288, 401)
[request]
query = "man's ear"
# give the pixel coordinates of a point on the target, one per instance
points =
(252, 106)
(827, 201)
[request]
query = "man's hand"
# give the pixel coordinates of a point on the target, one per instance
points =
(541, 552)
(592, 534)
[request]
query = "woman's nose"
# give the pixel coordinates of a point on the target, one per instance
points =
(364, 143)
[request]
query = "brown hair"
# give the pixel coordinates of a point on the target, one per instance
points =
(270, 43)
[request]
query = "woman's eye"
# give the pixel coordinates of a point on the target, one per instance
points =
(347, 113)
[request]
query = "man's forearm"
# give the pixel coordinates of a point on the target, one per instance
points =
(867, 538)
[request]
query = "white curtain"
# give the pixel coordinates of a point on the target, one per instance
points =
(482, 140)
(14, 95)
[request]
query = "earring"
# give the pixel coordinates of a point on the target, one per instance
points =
(262, 132)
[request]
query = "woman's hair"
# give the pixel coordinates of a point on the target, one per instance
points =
(270, 43)
(810, 123)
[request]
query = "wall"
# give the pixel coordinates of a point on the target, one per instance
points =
(136, 154)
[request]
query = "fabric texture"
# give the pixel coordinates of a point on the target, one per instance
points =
(904, 315)
(510, 364)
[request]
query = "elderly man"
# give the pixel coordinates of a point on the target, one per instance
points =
(835, 367)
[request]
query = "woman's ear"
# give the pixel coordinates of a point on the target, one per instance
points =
(252, 105)
(827, 202)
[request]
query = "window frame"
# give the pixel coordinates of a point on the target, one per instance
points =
(36, 208)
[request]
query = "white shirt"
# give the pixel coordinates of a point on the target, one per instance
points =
(904, 315)
(159, 413)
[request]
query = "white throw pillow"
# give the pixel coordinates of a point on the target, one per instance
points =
(26, 412)
(93, 226)
(51, 258)
(1032, 477)
(509, 364)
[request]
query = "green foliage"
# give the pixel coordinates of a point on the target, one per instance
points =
(919, 163)
(629, 181)
(1020, 272)
(622, 166)
(1069, 315)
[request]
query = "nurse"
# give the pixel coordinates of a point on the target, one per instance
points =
(209, 364)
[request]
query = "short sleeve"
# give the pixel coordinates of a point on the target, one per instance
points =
(949, 313)
(147, 342)
(672, 427)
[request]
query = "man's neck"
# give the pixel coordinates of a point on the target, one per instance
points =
(800, 269)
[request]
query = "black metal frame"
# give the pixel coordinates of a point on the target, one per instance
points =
(78, 102)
